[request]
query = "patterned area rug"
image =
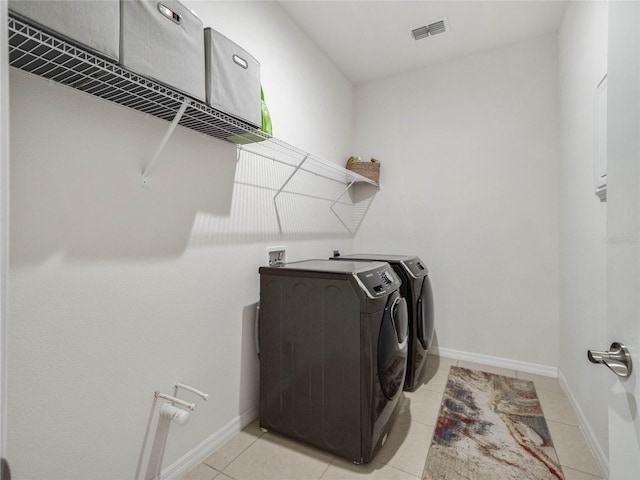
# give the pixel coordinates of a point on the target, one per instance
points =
(490, 427)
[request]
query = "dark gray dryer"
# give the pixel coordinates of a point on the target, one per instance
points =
(333, 350)
(416, 289)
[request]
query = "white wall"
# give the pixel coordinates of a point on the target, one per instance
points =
(582, 43)
(117, 291)
(470, 184)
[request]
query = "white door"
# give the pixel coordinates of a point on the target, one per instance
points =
(623, 232)
(4, 216)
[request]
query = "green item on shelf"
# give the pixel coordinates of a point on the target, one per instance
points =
(245, 138)
(266, 118)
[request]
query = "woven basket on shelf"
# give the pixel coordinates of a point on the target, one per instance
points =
(370, 170)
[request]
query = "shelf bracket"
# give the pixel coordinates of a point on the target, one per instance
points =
(295, 170)
(163, 142)
(336, 201)
(282, 188)
(362, 215)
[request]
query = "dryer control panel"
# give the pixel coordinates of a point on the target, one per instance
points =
(415, 267)
(378, 282)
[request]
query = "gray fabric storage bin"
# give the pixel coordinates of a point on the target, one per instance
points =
(92, 24)
(163, 40)
(233, 78)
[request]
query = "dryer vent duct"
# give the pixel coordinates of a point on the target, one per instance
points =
(434, 28)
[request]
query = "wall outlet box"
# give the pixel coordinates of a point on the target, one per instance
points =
(277, 256)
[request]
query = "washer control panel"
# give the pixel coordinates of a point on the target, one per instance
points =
(379, 281)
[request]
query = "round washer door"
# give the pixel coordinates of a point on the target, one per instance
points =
(425, 314)
(392, 346)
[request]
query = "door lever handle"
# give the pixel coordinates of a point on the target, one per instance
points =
(618, 359)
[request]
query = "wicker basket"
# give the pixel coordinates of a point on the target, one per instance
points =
(370, 170)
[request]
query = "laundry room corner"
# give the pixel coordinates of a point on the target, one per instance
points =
(469, 152)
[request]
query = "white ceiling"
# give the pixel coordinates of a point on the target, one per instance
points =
(371, 39)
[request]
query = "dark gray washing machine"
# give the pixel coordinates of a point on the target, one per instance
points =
(416, 289)
(333, 350)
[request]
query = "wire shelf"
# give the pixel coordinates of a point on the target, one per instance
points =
(56, 59)
(40, 53)
(282, 152)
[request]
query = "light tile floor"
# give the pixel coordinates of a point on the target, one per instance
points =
(254, 455)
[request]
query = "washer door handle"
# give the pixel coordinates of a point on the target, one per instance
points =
(403, 345)
(402, 342)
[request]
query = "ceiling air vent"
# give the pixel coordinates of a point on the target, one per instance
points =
(420, 32)
(434, 28)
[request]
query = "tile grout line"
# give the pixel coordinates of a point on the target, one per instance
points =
(582, 471)
(400, 469)
(425, 456)
(561, 462)
(333, 459)
(563, 423)
(596, 477)
(236, 457)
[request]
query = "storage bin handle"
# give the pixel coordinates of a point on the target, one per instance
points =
(170, 14)
(241, 62)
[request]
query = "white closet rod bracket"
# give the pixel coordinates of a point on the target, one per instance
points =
(165, 139)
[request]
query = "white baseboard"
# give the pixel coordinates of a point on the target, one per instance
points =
(194, 457)
(598, 453)
(536, 368)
